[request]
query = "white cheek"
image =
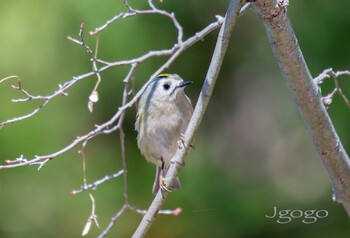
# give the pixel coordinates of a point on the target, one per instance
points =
(162, 97)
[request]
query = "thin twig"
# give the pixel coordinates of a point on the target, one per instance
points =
(94, 185)
(113, 221)
(329, 73)
(133, 12)
(123, 156)
(92, 217)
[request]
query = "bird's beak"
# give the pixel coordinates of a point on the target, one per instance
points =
(184, 84)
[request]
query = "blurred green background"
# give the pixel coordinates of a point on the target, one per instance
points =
(252, 151)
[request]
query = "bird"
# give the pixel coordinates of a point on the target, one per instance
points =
(163, 114)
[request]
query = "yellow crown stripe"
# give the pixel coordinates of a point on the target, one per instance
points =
(164, 75)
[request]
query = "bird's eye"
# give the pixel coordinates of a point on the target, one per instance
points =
(166, 86)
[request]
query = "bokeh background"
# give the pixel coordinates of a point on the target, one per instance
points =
(252, 150)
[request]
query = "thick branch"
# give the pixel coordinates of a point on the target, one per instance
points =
(306, 95)
(204, 97)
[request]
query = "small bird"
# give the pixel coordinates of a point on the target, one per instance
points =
(163, 114)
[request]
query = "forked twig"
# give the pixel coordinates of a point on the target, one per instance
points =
(329, 73)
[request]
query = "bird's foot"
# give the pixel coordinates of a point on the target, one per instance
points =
(181, 143)
(162, 184)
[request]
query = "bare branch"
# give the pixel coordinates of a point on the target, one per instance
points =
(204, 97)
(133, 12)
(97, 183)
(46, 99)
(306, 96)
(104, 128)
(38, 109)
(177, 49)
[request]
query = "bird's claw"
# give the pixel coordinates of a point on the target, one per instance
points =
(163, 186)
(181, 143)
